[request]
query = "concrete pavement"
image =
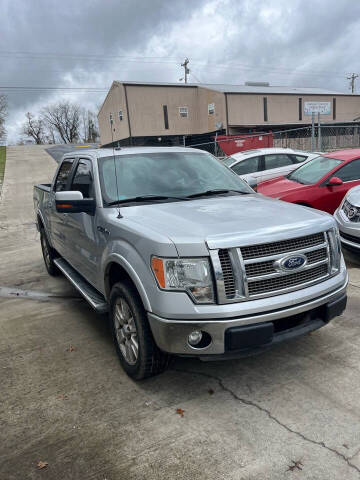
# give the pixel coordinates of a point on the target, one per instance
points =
(292, 412)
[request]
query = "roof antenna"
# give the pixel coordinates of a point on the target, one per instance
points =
(113, 149)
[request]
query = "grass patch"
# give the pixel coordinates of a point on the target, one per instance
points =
(2, 164)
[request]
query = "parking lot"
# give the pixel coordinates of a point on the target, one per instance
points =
(291, 412)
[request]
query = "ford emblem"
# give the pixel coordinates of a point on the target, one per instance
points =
(291, 262)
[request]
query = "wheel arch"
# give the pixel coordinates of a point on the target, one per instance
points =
(118, 269)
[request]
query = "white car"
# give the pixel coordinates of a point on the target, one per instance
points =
(256, 166)
(347, 217)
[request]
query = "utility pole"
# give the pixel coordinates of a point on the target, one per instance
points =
(186, 69)
(352, 79)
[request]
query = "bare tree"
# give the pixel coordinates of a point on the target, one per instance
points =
(34, 128)
(3, 114)
(64, 118)
(90, 131)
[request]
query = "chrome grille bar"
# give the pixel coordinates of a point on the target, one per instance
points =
(241, 276)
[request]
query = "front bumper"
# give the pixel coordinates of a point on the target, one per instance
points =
(234, 337)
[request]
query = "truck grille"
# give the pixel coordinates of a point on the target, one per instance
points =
(263, 277)
(228, 273)
(267, 249)
(281, 282)
(263, 268)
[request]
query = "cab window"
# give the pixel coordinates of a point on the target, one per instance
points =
(63, 175)
(250, 165)
(83, 179)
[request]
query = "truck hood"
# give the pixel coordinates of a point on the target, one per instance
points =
(223, 222)
(280, 186)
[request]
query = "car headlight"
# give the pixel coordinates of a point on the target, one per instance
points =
(335, 249)
(192, 275)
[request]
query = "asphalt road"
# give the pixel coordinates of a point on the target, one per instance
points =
(290, 413)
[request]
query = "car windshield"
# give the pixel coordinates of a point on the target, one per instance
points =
(166, 174)
(313, 170)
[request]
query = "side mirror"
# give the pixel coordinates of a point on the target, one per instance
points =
(334, 181)
(74, 202)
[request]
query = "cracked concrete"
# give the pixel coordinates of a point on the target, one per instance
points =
(65, 400)
(271, 416)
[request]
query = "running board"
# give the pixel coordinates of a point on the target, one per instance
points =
(91, 295)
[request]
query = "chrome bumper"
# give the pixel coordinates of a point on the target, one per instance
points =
(171, 335)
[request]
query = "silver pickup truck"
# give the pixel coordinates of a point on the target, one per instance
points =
(186, 258)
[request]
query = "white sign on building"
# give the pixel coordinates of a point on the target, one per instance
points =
(324, 108)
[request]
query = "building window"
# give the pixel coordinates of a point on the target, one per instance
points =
(166, 118)
(265, 110)
(120, 115)
(334, 108)
(300, 108)
(211, 108)
(183, 111)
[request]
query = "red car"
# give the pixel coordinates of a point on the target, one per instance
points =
(319, 183)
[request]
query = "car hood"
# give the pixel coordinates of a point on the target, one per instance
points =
(279, 187)
(223, 222)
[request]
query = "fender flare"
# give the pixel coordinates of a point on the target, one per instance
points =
(120, 260)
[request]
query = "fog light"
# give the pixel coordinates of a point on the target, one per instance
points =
(195, 337)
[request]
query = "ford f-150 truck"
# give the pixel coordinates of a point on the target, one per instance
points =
(186, 258)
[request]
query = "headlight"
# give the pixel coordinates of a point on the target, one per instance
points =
(335, 249)
(192, 275)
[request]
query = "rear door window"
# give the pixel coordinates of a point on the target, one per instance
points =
(63, 175)
(277, 160)
(83, 179)
(250, 165)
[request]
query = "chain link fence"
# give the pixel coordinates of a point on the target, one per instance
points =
(324, 139)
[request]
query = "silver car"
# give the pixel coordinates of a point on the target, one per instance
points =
(348, 219)
(266, 163)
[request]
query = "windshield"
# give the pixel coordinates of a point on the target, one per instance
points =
(169, 174)
(313, 171)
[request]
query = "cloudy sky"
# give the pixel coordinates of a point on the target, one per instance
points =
(75, 49)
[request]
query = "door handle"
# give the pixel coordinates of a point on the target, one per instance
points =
(103, 230)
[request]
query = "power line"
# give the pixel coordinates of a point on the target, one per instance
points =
(77, 55)
(86, 89)
(270, 68)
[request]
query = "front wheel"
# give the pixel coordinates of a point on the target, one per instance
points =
(48, 255)
(134, 343)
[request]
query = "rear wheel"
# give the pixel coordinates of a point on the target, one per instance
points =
(134, 343)
(48, 254)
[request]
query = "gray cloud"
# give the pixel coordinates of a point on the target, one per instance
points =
(304, 43)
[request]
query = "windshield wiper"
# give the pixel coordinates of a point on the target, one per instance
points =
(215, 192)
(145, 198)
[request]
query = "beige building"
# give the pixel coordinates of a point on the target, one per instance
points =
(149, 113)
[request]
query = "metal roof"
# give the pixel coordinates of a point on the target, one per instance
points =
(109, 152)
(226, 88)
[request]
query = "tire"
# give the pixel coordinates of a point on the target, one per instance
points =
(139, 355)
(49, 255)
